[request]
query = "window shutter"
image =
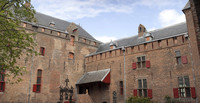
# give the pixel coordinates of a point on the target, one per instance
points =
(134, 65)
(43, 51)
(148, 65)
(34, 87)
(193, 92)
(175, 90)
(4, 84)
(184, 59)
(150, 93)
(135, 92)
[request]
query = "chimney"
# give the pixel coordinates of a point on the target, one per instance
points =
(141, 30)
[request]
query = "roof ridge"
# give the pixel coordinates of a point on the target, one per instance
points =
(167, 27)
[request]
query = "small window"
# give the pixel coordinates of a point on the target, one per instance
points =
(84, 40)
(2, 79)
(145, 46)
(141, 62)
(42, 51)
(72, 39)
(178, 57)
(71, 55)
(121, 87)
(110, 53)
(24, 24)
(140, 29)
(58, 33)
(43, 29)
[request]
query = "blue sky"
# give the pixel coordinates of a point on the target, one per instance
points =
(108, 20)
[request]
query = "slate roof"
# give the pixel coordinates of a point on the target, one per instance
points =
(94, 76)
(44, 20)
(159, 34)
(187, 6)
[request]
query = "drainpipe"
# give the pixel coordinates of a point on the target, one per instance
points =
(29, 94)
(123, 49)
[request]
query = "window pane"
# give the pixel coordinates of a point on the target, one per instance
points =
(180, 81)
(187, 81)
(140, 92)
(139, 83)
(39, 73)
(121, 84)
(38, 88)
(145, 92)
(143, 58)
(178, 54)
(139, 64)
(187, 92)
(182, 92)
(178, 59)
(138, 59)
(38, 80)
(143, 64)
(144, 83)
(1, 87)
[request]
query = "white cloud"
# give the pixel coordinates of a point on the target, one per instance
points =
(75, 9)
(170, 17)
(105, 39)
(151, 29)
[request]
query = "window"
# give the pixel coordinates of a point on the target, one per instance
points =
(24, 24)
(121, 87)
(43, 29)
(140, 29)
(141, 62)
(71, 55)
(37, 86)
(72, 39)
(178, 57)
(42, 51)
(145, 46)
(58, 33)
(84, 40)
(2, 79)
(142, 87)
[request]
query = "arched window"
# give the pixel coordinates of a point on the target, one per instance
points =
(71, 55)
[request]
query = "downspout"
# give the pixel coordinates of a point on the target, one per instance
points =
(123, 49)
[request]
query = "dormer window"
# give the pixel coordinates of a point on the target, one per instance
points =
(52, 24)
(148, 36)
(113, 45)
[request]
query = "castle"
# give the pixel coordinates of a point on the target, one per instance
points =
(153, 64)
